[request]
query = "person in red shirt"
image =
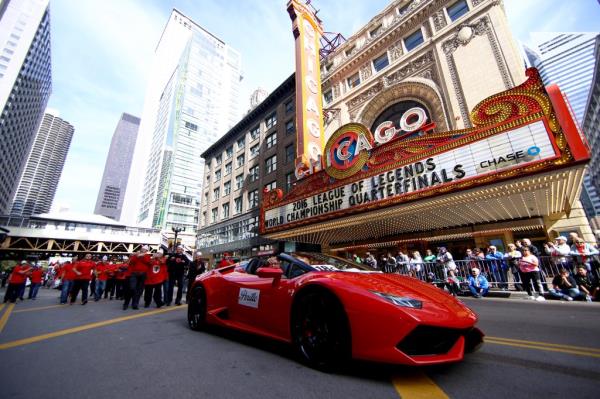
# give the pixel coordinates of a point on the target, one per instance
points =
(102, 269)
(121, 276)
(226, 261)
(111, 272)
(16, 281)
(139, 263)
(67, 277)
(155, 277)
(83, 274)
(36, 281)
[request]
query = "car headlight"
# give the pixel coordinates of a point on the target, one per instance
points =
(403, 301)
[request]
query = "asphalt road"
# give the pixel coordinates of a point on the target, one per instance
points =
(533, 350)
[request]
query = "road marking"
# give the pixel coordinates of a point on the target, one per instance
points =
(38, 308)
(2, 305)
(538, 343)
(542, 348)
(38, 338)
(416, 385)
(5, 316)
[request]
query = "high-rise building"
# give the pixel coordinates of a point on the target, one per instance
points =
(569, 59)
(191, 100)
(116, 170)
(591, 127)
(25, 85)
(44, 166)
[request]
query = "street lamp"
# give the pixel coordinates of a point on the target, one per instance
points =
(177, 230)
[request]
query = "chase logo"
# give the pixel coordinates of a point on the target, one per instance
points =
(512, 158)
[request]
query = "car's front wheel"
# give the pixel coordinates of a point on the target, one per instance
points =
(320, 330)
(197, 309)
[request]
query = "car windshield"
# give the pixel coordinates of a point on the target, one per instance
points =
(322, 262)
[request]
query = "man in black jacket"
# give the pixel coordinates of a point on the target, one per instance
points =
(176, 266)
(197, 267)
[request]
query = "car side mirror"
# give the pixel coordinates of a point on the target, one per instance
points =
(270, 272)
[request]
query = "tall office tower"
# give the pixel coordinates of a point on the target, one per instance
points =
(116, 170)
(44, 166)
(25, 85)
(591, 127)
(569, 60)
(191, 100)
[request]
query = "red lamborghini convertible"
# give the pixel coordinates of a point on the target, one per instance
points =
(331, 309)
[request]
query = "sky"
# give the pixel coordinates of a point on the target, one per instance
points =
(102, 49)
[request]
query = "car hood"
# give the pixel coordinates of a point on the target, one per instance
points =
(438, 306)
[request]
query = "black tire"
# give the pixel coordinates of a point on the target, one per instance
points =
(197, 309)
(320, 330)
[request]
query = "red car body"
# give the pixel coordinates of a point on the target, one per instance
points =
(262, 303)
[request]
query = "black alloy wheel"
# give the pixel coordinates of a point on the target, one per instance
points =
(197, 309)
(320, 331)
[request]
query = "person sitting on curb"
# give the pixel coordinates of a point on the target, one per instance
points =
(564, 287)
(587, 284)
(478, 284)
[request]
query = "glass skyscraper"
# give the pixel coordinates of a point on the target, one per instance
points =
(192, 99)
(116, 170)
(44, 166)
(25, 85)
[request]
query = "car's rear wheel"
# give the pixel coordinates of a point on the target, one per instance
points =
(320, 330)
(197, 309)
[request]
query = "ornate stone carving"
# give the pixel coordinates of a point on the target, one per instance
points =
(366, 72)
(395, 51)
(439, 20)
(409, 69)
(331, 114)
(476, 2)
(336, 90)
(364, 96)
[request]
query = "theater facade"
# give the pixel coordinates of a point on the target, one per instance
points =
(435, 135)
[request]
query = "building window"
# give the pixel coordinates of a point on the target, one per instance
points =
(239, 182)
(328, 96)
(289, 107)
(228, 169)
(191, 126)
(206, 197)
(271, 120)
(350, 50)
(227, 188)
(241, 143)
(229, 152)
(215, 215)
(271, 164)
(289, 153)
(457, 10)
(216, 194)
(414, 40)
(238, 205)
(253, 199)
(353, 80)
(255, 133)
(205, 218)
(403, 9)
(271, 186)
(381, 62)
(218, 160)
(289, 127)
(289, 181)
(217, 175)
(374, 32)
(240, 160)
(254, 173)
(271, 140)
(225, 211)
(254, 150)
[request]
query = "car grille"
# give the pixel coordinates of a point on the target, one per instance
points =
(427, 340)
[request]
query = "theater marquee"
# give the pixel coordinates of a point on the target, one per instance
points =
(516, 133)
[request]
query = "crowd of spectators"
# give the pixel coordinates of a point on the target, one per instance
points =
(566, 269)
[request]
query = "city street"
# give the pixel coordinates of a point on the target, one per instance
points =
(532, 350)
